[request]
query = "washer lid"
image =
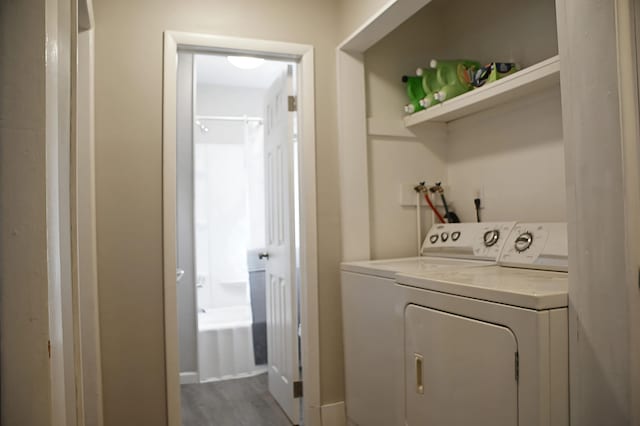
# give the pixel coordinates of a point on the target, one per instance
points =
(511, 286)
(411, 265)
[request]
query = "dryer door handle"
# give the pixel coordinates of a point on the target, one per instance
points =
(419, 373)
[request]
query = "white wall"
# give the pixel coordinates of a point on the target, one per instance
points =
(512, 156)
(229, 101)
(354, 13)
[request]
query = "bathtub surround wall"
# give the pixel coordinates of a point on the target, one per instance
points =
(229, 191)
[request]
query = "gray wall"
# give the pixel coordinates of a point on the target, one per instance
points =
(24, 316)
(186, 288)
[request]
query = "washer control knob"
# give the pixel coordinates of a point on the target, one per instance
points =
(444, 236)
(433, 238)
(491, 237)
(455, 235)
(523, 242)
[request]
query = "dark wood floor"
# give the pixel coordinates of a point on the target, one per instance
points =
(240, 402)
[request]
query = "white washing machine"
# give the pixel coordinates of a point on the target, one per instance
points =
(489, 346)
(368, 303)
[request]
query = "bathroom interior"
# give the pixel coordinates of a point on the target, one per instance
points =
(221, 215)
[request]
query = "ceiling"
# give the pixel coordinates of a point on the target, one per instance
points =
(217, 70)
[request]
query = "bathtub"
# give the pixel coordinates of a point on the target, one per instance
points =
(225, 344)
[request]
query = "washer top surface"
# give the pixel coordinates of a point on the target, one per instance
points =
(532, 289)
(410, 265)
(450, 246)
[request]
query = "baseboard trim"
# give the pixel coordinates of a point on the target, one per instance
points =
(333, 414)
(189, 377)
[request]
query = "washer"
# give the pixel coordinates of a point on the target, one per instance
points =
(489, 346)
(368, 303)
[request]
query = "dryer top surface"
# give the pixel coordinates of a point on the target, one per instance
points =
(532, 289)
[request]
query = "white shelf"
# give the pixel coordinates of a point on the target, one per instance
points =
(530, 80)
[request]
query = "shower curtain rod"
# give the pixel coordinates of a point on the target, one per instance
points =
(223, 118)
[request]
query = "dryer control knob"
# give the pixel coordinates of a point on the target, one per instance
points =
(455, 235)
(491, 237)
(523, 242)
(444, 236)
(433, 238)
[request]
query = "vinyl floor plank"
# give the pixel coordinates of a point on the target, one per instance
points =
(238, 402)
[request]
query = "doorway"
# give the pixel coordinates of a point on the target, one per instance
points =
(243, 230)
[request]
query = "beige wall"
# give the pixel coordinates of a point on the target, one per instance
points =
(24, 315)
(354, 13)
(128, 175)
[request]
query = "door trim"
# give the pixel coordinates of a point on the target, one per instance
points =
(304, 55)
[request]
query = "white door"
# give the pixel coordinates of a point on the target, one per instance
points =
(282, 307)
(459, 371)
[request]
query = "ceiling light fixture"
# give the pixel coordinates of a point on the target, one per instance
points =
(245, 62)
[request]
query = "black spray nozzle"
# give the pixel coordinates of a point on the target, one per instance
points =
(405, 78)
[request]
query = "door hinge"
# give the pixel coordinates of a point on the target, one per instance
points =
(517, 366)
(293, 103)
(49, 348)
(297, 389)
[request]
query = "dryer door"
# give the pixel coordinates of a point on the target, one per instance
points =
(459, 371)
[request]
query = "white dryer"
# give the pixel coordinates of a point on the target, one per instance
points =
(489, 346)
(368, 303)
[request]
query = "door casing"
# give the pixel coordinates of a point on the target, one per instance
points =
(304, 55)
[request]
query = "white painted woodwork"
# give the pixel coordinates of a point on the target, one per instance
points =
(522, 84)
(601, 144)
(380, 24)
(281, 289)
(449, 362)
(352, 134)
(309, 313)
(87, 261)
(61, 29)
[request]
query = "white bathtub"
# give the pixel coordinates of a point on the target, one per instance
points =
(225, 344)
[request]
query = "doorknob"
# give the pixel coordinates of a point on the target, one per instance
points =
(263, 255)
(179, 274)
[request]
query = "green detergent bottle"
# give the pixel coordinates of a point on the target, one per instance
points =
(415, 93)
(430, 85)
(454, 77)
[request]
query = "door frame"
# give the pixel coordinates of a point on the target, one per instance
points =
(304, 55)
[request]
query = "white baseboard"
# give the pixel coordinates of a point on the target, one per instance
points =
(333, 414)
(189, 377)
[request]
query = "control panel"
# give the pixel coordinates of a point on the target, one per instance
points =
(537, 246)
(482, 241)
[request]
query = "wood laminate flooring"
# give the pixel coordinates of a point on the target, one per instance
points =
(239, 402)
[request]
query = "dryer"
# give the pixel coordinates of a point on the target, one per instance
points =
(489, 346)
(368, 303)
